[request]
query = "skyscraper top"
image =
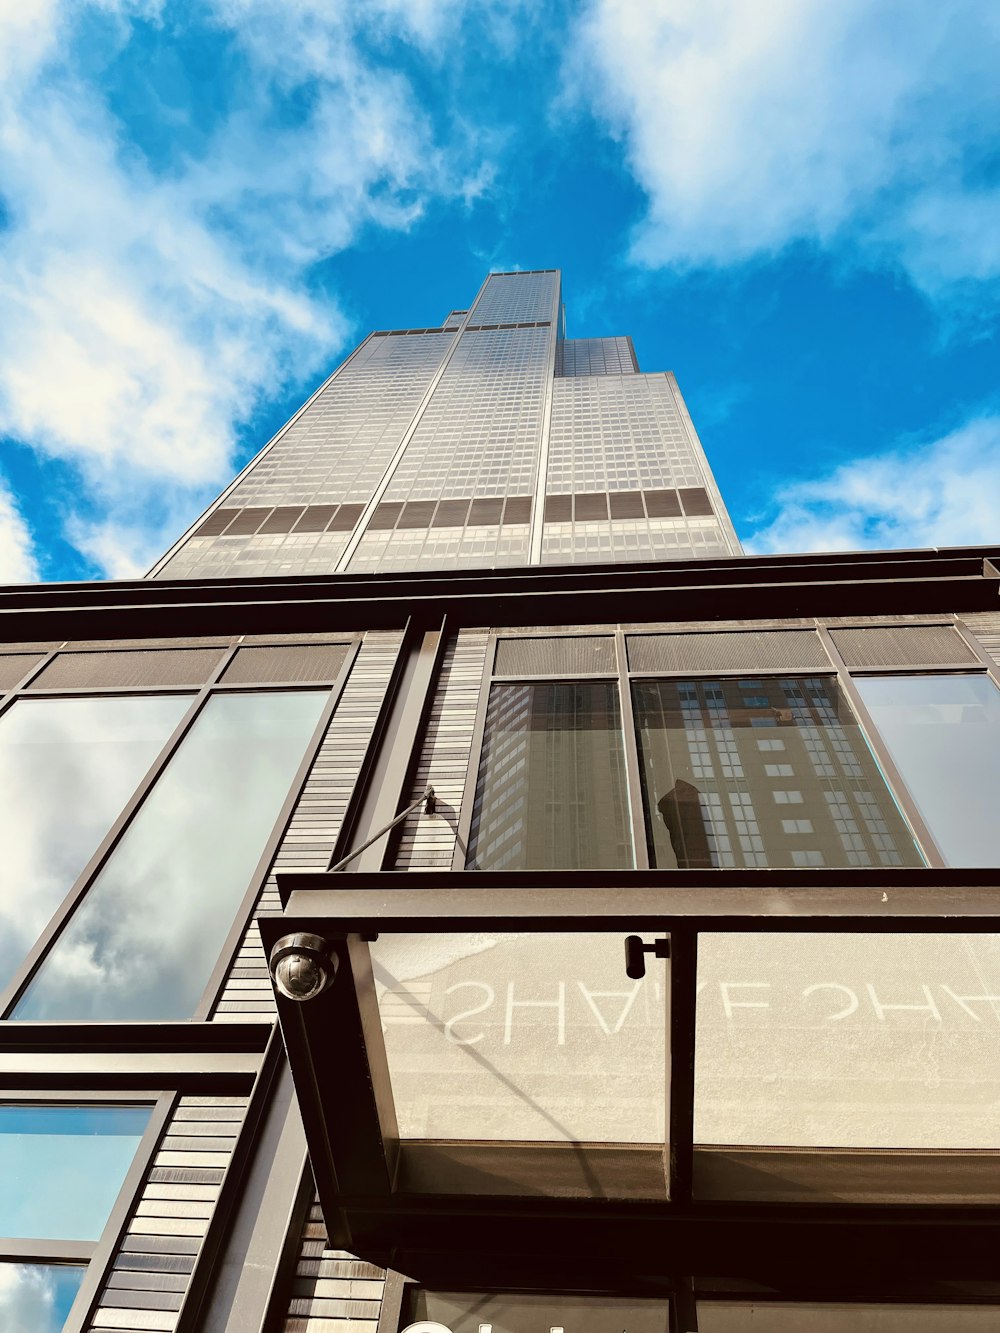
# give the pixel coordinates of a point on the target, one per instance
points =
(491, 440)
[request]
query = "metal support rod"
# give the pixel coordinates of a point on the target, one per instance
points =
(426, 799)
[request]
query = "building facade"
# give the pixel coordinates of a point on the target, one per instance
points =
(632, 900)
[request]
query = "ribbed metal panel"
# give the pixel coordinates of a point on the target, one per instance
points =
(695, 501)
(312, 832)
(147, 1286)
(571, 656)
(216, 523)
(315, 518)
(729, 650)
(444, 753)
(451, 514)
(593, 505)
(662, 504)
(517, 509)
(985, 628)
(416, 514)
(626, 504)
(158, 666)
(345, 518)
(284, 662)
(486, 511)
(247, 522)
(901, 645)
(332, 1291)
(282, 519)
(13, 666)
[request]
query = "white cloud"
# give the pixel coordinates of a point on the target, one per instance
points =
(17, 556)
(946, 493)
(750, 126)
(147, 310)
(26, 1297)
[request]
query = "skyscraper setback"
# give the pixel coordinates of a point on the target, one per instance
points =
(490, 441)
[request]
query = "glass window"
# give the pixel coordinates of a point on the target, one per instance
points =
(944, 734)
(535, 1312)
(765, 1316)
(36, 1298)
(67, 767)
(143, 942)
(539, 1038)
(848, 1041)
(63, 1165)
(713, 798)
(551, 792)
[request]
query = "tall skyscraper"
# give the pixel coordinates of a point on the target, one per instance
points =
(542, 917)
(490, 441)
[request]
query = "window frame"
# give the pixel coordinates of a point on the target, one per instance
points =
(624, 676)
(347, 1104)
(94, 1256)
(199, 696)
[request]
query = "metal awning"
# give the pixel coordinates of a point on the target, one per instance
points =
(445, 1156)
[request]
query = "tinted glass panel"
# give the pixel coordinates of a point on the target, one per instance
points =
(551, 791)
(540, 1038)
(945, 727)
(811, 1317)
(516, 1312)
(62, 1167)
(143, 943)
(36, 1298)
(762, 772)
(848, 1041)
(67, 767)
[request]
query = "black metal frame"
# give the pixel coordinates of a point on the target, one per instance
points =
(542, 1244)
(624, 676)
(421, 1207)
(764, 587)
(199, 697)
(95, 1255)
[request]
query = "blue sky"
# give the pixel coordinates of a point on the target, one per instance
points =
(794, 205)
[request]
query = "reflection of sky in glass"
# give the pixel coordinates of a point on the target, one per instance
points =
(62, 1167)
(36, 1298)
(67, 766)
(144, 942)
(944, 734)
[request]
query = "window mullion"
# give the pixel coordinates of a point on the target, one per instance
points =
(19, 982)
(217, 980)
(11, 696)
(640, 844)
(105, 1249)
(893, 778)
(475, 753)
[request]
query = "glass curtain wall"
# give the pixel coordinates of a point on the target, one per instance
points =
(552, 791)
(144, 940)
(62, 1167)
(67, 768)
(764, 772)
(943, 733)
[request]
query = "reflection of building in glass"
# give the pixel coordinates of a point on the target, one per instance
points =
(551, 791)
(524, 591)
(763, 772)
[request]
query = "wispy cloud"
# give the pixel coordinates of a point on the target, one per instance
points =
(17, 556)
(946, 493)
(150, 303)
(751, 126)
